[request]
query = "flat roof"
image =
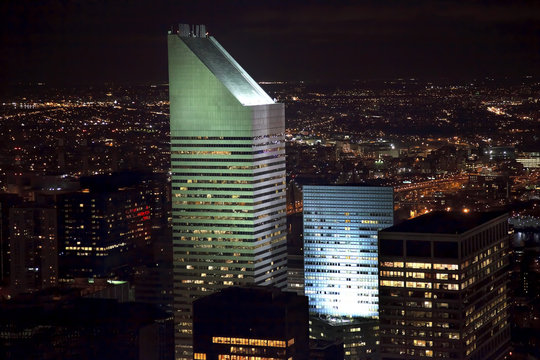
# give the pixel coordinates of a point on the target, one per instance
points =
(445, 222)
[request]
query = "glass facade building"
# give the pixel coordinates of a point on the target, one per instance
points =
(340, 247)
(228, 177)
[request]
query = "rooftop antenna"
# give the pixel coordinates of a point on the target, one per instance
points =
(184, 30)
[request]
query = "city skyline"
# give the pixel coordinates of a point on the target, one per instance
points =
(302, 40)
(142, 200)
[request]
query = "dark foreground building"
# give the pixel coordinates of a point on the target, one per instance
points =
(56, 327)
(251, 323)
(444, 287)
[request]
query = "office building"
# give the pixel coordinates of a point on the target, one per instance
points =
(33, 248)
(7, 201)
(340, 247)
(251, 323)
(105, 228)
(358, 336)
(444, 287)
(340, 263)
(228, 176)
(295, 250)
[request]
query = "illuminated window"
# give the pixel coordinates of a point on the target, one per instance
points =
(446, 267)
(418, 284)
(391, 264)
(414, 265)
(416, 275)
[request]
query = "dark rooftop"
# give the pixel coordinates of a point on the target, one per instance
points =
(251, 294)
(444, 222)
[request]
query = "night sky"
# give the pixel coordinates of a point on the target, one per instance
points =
(120, 41)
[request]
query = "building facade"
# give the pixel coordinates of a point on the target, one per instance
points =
(33, 248)
(340, 263)
(444, 287)
(104, 229)
(228, 176)
(251, 323)
(340, 247)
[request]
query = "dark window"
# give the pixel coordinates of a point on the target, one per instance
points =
(391, 248)
(419, 248)
(446, 250)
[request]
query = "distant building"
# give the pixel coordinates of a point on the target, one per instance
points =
(493, 186)
(250, 323)
(295, 250)
(358, 336)
(497, 153)
(228, 176)
(529, 159)
(7, 201)
(33, 248)
(444, 287)
(105, 229)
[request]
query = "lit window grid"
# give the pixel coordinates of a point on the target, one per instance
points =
(341, 262)
(223, 245)
(408, 318)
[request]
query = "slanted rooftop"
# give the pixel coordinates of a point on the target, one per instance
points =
(444, 222)
(227, 70)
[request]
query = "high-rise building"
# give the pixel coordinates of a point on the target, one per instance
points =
(340, 247)
(444, 287)
(251, 323)
(33, 247)
(7, 201)
(228, 176)
(340, 262)
(104, 229)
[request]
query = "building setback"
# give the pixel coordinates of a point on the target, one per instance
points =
(444, 287)
(228, 176)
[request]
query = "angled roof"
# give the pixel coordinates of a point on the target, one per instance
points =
(227, 70)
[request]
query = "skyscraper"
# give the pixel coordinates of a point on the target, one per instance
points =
(228, 176)
(340, 247)
(104, 228)
(34, 248)
(444, 287)
(340, 262)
